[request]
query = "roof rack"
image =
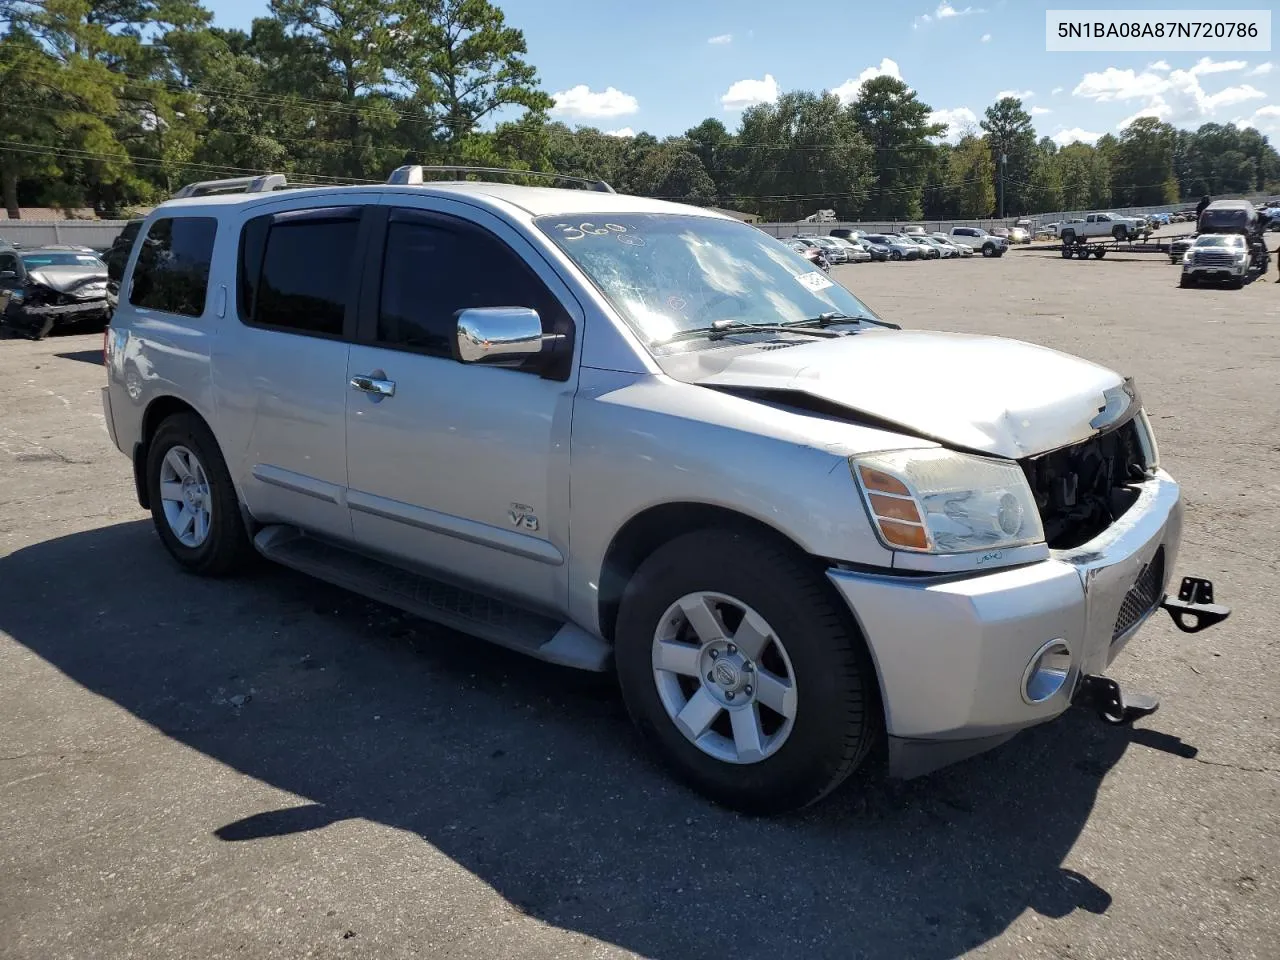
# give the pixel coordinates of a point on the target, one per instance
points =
(412, 174)
(262, 184)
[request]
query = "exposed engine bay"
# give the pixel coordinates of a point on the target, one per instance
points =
(1082, 489)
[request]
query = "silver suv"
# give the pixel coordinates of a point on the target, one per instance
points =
(618, 433)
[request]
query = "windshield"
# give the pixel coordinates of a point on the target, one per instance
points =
(1224, 240)
(1227, 219)
(60, 259)
(666, 273)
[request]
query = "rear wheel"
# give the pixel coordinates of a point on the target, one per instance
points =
(1100, 253)
(737, 664)
(193, 501)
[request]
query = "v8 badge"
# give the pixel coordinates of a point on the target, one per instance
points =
(522, 515)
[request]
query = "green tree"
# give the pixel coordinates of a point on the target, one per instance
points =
(1044, 192)
(463, 63)
(1012, 137)
(337, 58)
(896, 124)
(801, 154)
(717, 148)
(1143, 164)
(672, 171)
(970, 191)
(1075, 164)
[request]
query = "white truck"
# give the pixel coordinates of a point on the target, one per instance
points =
(1096, 225)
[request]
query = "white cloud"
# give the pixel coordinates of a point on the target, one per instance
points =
(945, 11)
(1017, 94)
(957, 120)
(1206, 65)
(582, 101)
(849, 90)
(720, 39)
(1055, 91)
(1265, 120)
(1040, 111)
(749, 93)
(1261, 70)
(986, 38)
(1064, 137)
(1177, 97)
(1161, 65)
(620, 132)
(1114, 84)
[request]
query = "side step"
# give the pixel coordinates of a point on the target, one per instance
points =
(494, 620)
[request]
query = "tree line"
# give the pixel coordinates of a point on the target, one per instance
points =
(113, 104)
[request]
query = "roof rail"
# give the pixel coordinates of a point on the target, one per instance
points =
(412, 174)
(262, 184)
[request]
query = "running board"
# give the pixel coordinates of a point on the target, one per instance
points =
(494, 620)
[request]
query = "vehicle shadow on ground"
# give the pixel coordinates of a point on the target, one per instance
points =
(530, 777)
(93, 357)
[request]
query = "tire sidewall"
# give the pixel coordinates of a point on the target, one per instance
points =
(801, 769)
(225, 523)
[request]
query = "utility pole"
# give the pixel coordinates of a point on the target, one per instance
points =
(1003, 159)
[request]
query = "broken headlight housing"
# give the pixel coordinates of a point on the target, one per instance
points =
(939, 501)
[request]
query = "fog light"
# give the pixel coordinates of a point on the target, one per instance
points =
(1047, 672)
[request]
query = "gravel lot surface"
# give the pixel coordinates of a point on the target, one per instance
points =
(273, 768)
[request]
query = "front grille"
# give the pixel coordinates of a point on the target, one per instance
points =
(1142, 596)
(1080, 490)
(1205, 259)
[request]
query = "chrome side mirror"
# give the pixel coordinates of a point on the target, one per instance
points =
(497, 334)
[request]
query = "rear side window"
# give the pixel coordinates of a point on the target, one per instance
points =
(297, 270)
(172, 270)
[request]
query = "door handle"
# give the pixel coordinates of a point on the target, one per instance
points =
(379, 388)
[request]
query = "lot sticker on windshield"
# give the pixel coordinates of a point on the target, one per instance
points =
(814, 280)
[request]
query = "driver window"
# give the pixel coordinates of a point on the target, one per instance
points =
(433, 269)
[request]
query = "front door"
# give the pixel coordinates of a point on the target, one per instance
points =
(460, 469)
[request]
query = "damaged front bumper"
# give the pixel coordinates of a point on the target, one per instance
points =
(965, 662)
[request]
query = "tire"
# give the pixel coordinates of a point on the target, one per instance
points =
(988, 249)
(224, 548)
(1067, 252)
(1068, 237)
(1120, 233)
(1100, 253)
(836, 712)
(1235, 283)
(896, 255)
(1184, 281)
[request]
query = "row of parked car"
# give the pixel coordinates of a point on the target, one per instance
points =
(913, 243)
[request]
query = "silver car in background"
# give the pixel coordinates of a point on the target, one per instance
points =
(621, 434)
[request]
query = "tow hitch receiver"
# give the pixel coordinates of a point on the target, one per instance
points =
(1112, 703)
(1195, 600)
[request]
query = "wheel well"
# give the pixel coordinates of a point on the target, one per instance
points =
(159, 410)
(647, 531)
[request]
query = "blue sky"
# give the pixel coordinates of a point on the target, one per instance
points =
(663, 66)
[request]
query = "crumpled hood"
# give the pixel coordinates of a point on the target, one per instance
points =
(988, 394)
(68, 279)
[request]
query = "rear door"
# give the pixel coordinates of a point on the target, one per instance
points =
(460, 469)
(281, 370)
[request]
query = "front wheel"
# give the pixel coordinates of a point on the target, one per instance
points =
(897, 255)
(988, 249)
(739, 666)
(193, 501)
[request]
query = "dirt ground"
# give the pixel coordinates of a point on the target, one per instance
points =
(272, 768)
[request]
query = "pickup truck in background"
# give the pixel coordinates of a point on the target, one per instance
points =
(1098, 225)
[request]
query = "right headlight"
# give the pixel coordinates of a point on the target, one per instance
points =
(939, 501)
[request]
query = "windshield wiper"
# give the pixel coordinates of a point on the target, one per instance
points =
(723, 328)
(831, 318)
